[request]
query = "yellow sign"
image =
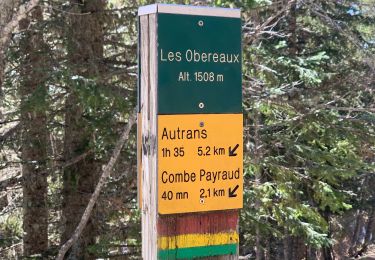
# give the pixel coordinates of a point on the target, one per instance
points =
(200, 164)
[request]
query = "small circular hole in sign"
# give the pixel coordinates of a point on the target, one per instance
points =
(201, 105)
(201, 201)
(200, 23)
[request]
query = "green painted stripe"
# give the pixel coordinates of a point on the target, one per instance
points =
(193, 252)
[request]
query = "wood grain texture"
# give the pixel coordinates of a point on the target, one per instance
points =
(148, 100)
(197, 240)
(218, 229)
(189, 10)
(193, 223)
(139, 159)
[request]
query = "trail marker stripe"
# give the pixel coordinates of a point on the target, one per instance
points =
(194, 252)
(197, 240)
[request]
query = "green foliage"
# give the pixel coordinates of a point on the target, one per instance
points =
(10, 229)
(302, 153)
(102, 108)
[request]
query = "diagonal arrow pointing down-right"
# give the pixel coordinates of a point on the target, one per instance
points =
(231, 193)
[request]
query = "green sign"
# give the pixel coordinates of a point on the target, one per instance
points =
(199, 64)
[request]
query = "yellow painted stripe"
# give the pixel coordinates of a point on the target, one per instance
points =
(196, 240)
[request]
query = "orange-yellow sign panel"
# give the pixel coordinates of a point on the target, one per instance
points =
(200, 162)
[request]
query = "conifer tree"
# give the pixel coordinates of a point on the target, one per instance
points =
(33, 92)
(85, 59)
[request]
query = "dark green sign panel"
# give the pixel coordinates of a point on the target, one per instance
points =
(199, 64)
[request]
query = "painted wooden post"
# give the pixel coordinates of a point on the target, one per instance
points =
(190, 147)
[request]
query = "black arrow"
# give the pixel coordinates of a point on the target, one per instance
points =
(232, 192)
(233, 152)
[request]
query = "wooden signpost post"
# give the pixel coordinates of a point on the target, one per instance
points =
(190, 149)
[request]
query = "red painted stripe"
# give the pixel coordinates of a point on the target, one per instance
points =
(198, 223)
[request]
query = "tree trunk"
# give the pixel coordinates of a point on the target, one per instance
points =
(104, 176)
(293, 29)
(85, 56)
(358, 224)
(370, 226)
(369, 230)
(259, 249)
(298, 249)
(327, 251)
(286, 244)
(310, 253)
(34, 137)
(267, 251)
(6, 11)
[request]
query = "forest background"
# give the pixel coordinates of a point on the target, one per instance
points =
(68, 74)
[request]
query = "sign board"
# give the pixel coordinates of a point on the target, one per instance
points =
(195, 87)
(199, 64)
(199, 113)
(200, 164)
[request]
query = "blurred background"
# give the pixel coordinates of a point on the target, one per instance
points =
(68, 74)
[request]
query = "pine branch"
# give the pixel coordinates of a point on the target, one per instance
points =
(8, 133)
(94, 197)
(18, 179)
(269, 23)
(352, 109)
